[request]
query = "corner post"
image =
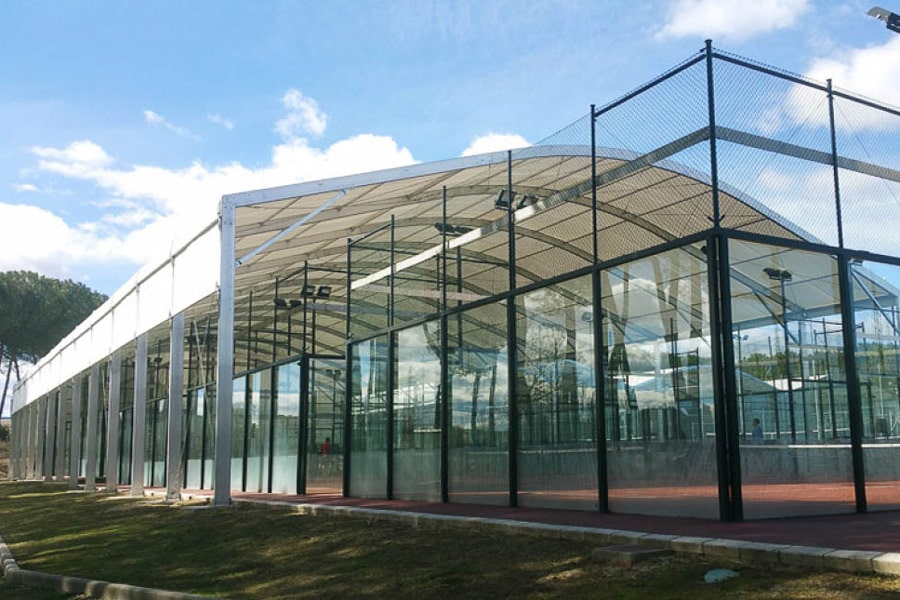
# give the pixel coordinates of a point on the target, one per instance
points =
(225, 355)
(112, 425)
(139, 416)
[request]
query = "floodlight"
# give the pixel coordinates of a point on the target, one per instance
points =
(281, 303)
(891, 20)
(324, 291)
(309, 290)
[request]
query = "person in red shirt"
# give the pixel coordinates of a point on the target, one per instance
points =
(326, 447)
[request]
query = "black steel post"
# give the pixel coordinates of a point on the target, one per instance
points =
(444, 395)
(391, 370)
(713, 162)
(512, 345)
(597, 331)
(854, 396)
(834, 167)
(348, 378)
(305, 423)
(730, 404)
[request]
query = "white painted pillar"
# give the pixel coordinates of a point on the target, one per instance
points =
(59, 469)
(175, 413)
(50, 435)
(75, 451)
(40, 454)
(90, 446)
(112, 421)
(139, 417)
(225, 356)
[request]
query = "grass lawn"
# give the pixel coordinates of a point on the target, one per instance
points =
(266, 552)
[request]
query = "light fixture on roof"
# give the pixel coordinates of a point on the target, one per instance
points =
(281, 303)
(309, 290)
(891, 20)
(778, 274)
(324, 291)
(502, 200)
(295, 303)
(453, 230)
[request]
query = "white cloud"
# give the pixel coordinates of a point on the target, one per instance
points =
(220, 120)
(150, 209)
(492, 142)
(158, 120)
(303, 116)
(735, 20)
(24, 187)
(873, 72)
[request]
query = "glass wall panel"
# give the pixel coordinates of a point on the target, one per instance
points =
(479, 420)
(877, 320)
(208, 472)
(259, 420)
(238, 432)
(194, 433)
(792, 386)
(659, 395)
(155, 449)
(324, 464)
(557, 423)
(125, 441)
(286, 429)
(417, 414)
(368, 426)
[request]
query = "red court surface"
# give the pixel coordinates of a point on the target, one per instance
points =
(877, 530)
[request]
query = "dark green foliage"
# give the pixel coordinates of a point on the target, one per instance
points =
(36, 312)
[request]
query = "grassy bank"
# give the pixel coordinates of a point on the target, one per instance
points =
(264, 552)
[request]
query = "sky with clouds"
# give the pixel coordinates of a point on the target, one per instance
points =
(123, 123)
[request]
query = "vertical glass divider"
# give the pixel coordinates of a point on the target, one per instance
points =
(597, 330)
(854, 394)
(512, 343)
(445, 362)
(348, 386)
(391, 370)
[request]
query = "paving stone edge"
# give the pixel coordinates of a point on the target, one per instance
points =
(831, 559)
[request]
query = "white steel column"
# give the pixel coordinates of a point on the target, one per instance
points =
(40, 447)
(112, 422)
(175, 414)
(50, 436)
(225, 356)
(60, 467)
(90, 446)
(75, 452)
(139, 417)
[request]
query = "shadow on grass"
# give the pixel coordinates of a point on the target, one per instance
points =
(266, 552)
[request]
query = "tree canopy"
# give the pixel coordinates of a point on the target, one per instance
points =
(36, 312)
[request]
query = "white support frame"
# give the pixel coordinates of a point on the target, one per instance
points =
(75, 451)
(175, 408)
(139, 416)
(112, 421)
(90, 444)
(225, 355)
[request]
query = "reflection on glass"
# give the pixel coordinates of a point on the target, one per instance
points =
(417, 414)
(658, 389)
(324, 470)
(477, 359)
(557, 424)
(238, 427)
(194, 434)
(286, 432)
(792, 386)
(877, 330)
(368, 427)
(259, 407)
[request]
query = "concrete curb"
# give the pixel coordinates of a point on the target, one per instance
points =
(826, 559)
(92, 588)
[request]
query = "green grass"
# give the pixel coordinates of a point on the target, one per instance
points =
(266, 552)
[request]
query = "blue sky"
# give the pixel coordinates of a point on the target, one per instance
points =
(122, 123)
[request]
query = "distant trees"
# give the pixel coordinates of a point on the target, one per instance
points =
(36, 312)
